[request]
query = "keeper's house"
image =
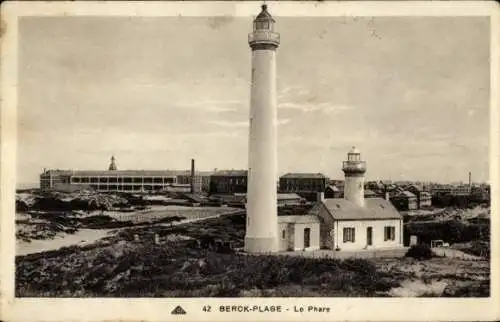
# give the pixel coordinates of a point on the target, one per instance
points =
(351, 223)
(345, 226)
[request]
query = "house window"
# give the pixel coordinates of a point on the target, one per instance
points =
(389, 233)
(283, 234)
(349, 235)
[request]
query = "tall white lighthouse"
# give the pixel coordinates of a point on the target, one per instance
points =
(354, 169)
(262, 217)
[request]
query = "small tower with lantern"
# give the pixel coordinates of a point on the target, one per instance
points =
(354, 169)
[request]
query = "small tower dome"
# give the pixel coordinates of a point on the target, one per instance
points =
(263, 35)
(264, 20)
(112, 165)
(354, 150)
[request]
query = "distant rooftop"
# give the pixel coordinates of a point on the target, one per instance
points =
(298, 219)
(406, 194)
(296, 175)
(235, 173)
(146, 173)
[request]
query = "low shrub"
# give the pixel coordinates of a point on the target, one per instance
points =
(420, 252)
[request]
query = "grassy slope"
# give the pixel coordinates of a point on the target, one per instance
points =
(145, 269)
(176, 268)
(119, 267)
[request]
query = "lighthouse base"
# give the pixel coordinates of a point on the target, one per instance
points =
(261, 244)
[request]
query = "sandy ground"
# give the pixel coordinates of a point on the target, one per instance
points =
(159, 212)
(389, 252)
(88, 236)
(454, 253)
(415, 288)
(81, 238)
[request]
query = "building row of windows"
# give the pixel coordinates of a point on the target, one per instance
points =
(303, 181)
(125, 187)
(231, 181)
(299, 188)
(140, 180)
(349, 234)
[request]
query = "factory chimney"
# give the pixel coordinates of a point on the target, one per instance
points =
(192, 176)
(470, 179)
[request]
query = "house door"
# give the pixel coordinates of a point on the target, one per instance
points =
(307, 237)
(369, 233)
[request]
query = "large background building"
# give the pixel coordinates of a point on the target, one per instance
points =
(113, 180)
(307, 185)
(228, 182)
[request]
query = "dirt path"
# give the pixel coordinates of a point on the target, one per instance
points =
(81, 237)
(454, 253)
(88, 236)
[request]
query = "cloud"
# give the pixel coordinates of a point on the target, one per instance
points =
(209, 134)
(216, 106)
(324, 107)
(228, 124)
(242, 124)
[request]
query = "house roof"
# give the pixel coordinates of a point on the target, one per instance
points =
(415, 187)
(332, 187)
(375, 208)
(406, 194)
(303, 175)
(299, 219)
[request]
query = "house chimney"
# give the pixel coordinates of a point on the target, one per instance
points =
(192, 176)
(320, 197)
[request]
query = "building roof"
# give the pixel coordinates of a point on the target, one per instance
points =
(333, 188)
(197, 173)
(303, 175)
(369, 192)
(406, 194)
(375, 208)
(225, 173)
(415, 187)
(288, 196)
(146, 173)
(298, 219)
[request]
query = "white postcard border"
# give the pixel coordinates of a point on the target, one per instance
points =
(147, 309)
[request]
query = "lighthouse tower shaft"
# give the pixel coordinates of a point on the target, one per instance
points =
(354, 170)
(262, 218)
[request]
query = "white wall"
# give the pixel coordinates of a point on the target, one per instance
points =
(294, 236)
(262, 218)
(360, 234)
(283, 242)
(354, 190)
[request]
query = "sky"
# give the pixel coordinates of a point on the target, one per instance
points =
(411, 93)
